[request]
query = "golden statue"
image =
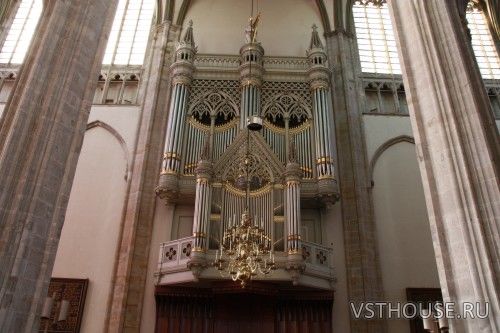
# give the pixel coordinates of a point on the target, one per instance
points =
(251, 29)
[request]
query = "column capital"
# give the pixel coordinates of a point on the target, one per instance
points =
(204, 171)
(293, 173)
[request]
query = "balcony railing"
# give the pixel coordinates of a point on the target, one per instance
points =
(175, 254)
(317, 256)
(174, 257)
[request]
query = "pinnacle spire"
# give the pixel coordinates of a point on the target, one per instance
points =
(315, 40)
(188, 36)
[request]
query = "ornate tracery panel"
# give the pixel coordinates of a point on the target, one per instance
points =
(213, 113)
(286, 109)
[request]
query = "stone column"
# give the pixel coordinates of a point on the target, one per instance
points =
(202, 207)
(182, 72)
(124, 314)
(41, 135)
(458, 149)
(363, 269)
(295, 264)
(8, 9)
(319, 81)
(251, 72)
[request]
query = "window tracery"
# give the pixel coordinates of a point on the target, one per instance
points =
(215, 104)
(482, 42)
(286, 106)
(130, 32)
(21, 32)
(126, 44)
(375, 37)
(258, 175)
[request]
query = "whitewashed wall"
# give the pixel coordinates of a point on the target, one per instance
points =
(89, 238)
(403, 232)
(284, 28)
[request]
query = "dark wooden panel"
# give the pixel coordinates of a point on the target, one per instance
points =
(226, 308)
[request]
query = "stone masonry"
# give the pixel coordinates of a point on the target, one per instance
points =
(458, 149)
(41, 135)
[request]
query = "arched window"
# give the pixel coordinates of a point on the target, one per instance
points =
(482, 42)
(127, 41)
(376, 42)
(21, 32)
(129, 35)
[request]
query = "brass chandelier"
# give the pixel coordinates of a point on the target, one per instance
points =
(245, 250)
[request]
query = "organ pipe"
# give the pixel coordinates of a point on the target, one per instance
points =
(251, 73)
(319, 82)
(182, 71)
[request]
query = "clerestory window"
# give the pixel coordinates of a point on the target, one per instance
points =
(130, 32)
(21, 32)
(482, 42)
(127, 41)
(375, 37)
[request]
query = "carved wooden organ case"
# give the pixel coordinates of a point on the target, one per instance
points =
(291, 158)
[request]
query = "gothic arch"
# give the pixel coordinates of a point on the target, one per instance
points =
(159, 15)
(286, 105)
(214, 102)
(164, 10)
(114, 133)
(319, 3)
(386, 145)
(182, 12)
(260, 149)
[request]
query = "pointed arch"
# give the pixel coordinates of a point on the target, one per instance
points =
(287, 104)
(386, 145)
(159, 17)
(324, 16)
(319, 3)
(169, 10)
(117, 136)
(260, 149)
(213, 102)
(182, 12)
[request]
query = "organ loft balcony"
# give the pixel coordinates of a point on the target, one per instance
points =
(317, 272)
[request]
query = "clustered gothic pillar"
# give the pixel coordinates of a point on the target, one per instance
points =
(129, 296)
(251, 72)
(458, 149)
(295, 264)
(8, 9)
(41, 135)
(364, 281)
(182, 71)
(319, 81)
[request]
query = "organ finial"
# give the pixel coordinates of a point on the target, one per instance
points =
(315, 40)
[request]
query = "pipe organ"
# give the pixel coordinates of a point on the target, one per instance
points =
(251, 72)
(319, 80)
(291, 158)
(182, 72)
